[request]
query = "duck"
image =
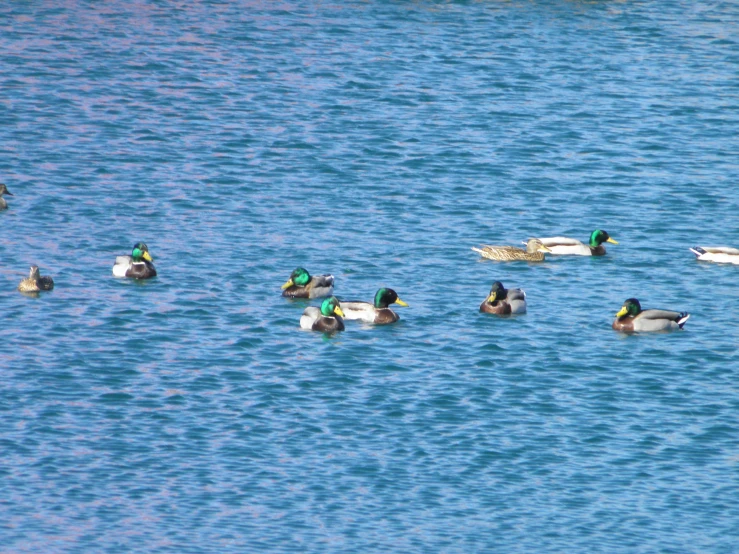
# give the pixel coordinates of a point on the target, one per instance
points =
(35, 282)
(503, 301)
(327, 319)
(378, 312)
(137, 266)
(302, 285)
(563, 246)
(534, 252)
(718, 254)
(4, 190)
(632, 319)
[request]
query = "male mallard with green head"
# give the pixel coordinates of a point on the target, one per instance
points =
(302, 285)
(632, 319)
(503, 301)
(35, 282)
(327, 319)
(534, 252)
(379, 312)
(564, 246)
(4, 190)
(136, 266)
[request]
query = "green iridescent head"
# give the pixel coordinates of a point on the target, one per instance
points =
(300, 277)
(331, 307)
(631, 307)
(384, 297)
(141, 251)
(598, 237)
(497, 292)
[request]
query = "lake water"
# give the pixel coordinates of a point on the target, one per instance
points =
(377, 141)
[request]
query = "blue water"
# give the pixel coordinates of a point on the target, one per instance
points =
(377, 141)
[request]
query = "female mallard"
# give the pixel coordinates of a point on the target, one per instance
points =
(378, 313)
(503, 301)
(534, 252)
(573, 247)
(326, 319)
(718, 254)
(4, 190)
(632, 319)
(137, 266)
(302, 285)
(35, 283)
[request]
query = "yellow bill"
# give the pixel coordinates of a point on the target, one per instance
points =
(289, 283)
(147, 257)
(338, 311)
(622, 311)
(612, 241)
(399, 301)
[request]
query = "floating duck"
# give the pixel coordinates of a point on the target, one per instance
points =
(632, 319)
(564, 246)
(718, 254)
(302, 285)
(4, 190)
(137, 266)
(379, 312)
(35, 283)
(534, 252)
(327, 319)
(503, 301)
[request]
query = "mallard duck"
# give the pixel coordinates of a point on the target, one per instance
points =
(4, 190)
(379, 312)
(632, 319)
(326, 319)
(573, 247)
(302, 285)
(503, 301)
(137, 266)
(35, 283)
(534, 252)
(718, 254)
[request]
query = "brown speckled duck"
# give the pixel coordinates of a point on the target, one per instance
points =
(35, 282)
(534, 252)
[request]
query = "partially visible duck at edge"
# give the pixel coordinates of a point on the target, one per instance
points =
(302, 285)
(503, 301)
(327, 319)
(632, 319)
(4, 190)
(378, 312)
(136, 266)
(534, 252)
(35, 282)
(564, 246)
(718, 254)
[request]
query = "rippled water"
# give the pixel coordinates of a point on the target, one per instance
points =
(377, 141)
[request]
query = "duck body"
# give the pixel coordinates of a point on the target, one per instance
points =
(534, 252)
(302, 285)
(502, 301)
(136, 266)
(35, 282)
(378, 312)
(717, 254)
(327, 318)
(4, 190)
(632, 319)
(565, 246)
